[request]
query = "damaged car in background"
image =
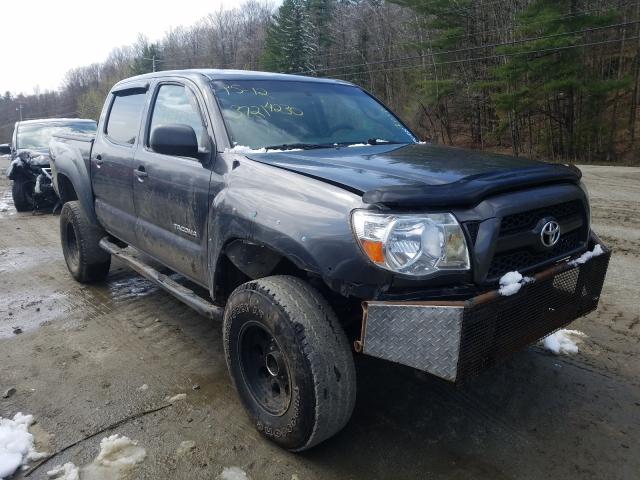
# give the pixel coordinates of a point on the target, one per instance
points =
(319, 225)
(29, 170)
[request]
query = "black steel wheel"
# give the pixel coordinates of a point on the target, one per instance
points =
(86, 261)
(290, 361)
(264, 368)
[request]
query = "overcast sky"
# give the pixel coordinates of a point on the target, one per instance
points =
(43, 39)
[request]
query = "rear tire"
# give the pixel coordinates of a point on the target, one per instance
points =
(22, 193)
(86, 261)
(290, 361)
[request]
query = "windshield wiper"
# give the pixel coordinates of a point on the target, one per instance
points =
(377, 141)
(301, 146)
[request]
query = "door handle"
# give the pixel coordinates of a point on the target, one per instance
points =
(140, 173)
(99, 161)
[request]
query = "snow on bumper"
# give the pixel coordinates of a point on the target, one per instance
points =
(455, 340)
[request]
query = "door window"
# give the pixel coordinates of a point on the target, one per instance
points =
(124, 118)
(175, 104)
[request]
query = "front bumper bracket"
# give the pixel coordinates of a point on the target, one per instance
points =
(455, 340)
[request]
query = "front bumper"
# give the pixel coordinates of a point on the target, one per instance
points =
(455, 340)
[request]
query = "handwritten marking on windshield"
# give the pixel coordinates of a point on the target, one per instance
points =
(267, 109)
(237, 90)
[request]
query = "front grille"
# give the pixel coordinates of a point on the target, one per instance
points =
(494, 330)
(524, 223)
(528, 220)
(523, 259)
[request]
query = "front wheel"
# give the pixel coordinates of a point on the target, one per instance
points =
(22, 192)
(290, 361)
(80, 239)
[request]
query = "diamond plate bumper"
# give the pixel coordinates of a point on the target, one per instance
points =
(455, 340)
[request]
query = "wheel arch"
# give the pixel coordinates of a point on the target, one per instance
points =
(242, 260)
(72, 175)
(66, 190)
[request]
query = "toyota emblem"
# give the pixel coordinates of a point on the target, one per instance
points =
(550, 233)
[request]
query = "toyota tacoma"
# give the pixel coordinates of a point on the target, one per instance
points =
(318, 225)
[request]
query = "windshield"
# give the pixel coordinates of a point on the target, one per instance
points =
(36, 136)
(271, 113)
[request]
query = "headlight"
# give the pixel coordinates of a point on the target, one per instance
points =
(412, 244)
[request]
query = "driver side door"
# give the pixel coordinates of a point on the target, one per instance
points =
(171, 193)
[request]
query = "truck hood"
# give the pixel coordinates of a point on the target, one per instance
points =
(419, 174)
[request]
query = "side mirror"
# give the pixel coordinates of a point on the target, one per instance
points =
(174, 139)
(5, 149)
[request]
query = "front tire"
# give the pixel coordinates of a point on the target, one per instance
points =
(22, 192)
(290, 361)
(80, 239)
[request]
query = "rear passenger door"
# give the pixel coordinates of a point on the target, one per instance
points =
(112, 162)
(171, 193)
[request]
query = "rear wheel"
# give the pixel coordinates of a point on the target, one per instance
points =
(22, 192)
(290, 361)
(86, 261)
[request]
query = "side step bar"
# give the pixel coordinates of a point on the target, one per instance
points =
(181, 292)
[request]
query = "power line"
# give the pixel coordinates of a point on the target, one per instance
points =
(513, 54)
(239, 64)
(419, 56)
(578, 13)
(480, 6)
(468, 49)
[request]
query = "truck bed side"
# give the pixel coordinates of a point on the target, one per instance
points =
(70, 165)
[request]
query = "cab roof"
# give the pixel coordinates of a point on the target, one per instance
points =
(222, 74)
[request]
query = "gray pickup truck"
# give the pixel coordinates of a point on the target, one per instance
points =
(320, 226)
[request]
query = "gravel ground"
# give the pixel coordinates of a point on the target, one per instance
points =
(85, 353)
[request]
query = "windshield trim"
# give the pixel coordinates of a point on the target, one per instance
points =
(351, 85)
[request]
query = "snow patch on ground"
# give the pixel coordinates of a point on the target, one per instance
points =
(6, 203)
(233, 473)
(512, 282)
(585, 257)
(563, 341)
(117, 455)
(176, 398)
(68, 471)
(119, 452)
(16, 444)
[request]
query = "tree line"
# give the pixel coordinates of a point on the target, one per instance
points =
(552, 79)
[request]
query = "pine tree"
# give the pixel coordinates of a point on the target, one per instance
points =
(321, 12)
(291, 43)
(547, 82)
(447, 88)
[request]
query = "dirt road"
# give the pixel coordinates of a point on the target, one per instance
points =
(86, 353)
